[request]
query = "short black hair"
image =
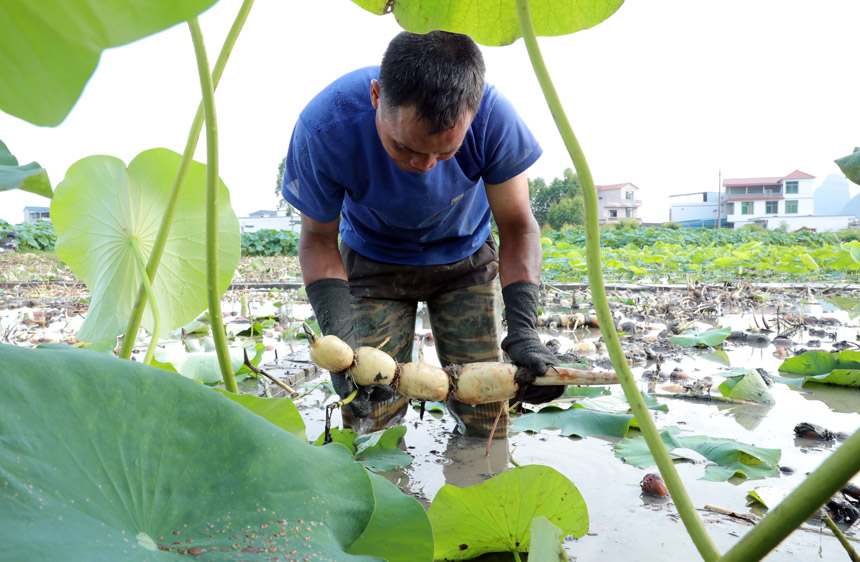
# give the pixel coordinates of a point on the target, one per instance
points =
(440, 74)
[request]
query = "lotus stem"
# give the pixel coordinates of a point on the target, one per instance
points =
(153, 302)
(685, 507)
(213, 294)
(178, 181)
(811, 494)
(840, 536)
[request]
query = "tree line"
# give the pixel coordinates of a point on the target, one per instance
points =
(558, 203)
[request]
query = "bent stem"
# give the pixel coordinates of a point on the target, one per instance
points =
(682, 501)
(213, 295)
(840, 536)
(153, 302)
(814, 492)
(178, 181)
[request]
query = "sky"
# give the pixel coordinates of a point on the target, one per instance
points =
(665, 94)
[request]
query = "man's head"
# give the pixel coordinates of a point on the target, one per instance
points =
(430, 87)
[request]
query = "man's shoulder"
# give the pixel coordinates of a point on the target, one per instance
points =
(345, 97)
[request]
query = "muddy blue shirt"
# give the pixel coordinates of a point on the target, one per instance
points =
(336, 165)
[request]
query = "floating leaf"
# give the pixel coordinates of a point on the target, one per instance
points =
(127, 454)
(495, 516)
(747, 386)
(280, 411)
(200, 365)
(587, 391)
(399, 530)
(617, 404)
(767, 496)
(101, 208)
(574, 421)
(711, 338)
(378, 451)
(546, 541)
(493, 22)
(838, 377)
(29, 177)
(820, 362)
(52, 47)
(732, 458)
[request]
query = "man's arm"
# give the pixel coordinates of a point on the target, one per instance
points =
(520, 252)
(318, 252)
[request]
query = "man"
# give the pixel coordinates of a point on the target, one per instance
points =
(407, 161)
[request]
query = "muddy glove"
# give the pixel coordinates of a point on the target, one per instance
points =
(523, 344)
(330, 300)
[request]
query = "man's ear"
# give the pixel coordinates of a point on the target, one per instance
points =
(374, 94)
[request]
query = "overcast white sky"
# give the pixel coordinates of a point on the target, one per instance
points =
(664, 94)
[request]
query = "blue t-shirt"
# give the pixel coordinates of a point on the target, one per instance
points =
(336, 165)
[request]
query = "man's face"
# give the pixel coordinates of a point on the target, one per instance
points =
(405, 138)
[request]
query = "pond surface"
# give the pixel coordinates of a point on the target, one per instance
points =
(624, 524)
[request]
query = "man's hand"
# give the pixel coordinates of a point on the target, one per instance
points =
(523, 344)
(330, 300)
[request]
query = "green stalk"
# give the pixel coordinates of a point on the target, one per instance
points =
(213, 295)
(840, 536)
(682, 501)
(814, 492)
(178, 181)
(156, 313)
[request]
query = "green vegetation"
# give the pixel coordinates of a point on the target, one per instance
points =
(269, 242)
(32, 237)
(704, 254)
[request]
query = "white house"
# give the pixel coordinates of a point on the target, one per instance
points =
(774, 201)
(34, 214)
(617, 201)
(695, 209)
(270, 220)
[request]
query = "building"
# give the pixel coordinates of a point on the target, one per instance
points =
(616, 202)
(695, 210)
(775, 201)
(270, 220)
(35, 214)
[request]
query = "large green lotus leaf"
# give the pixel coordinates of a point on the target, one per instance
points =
(850, 165)
(104, 459)
(731, 457)
(280, 411)
(399, 530)
(494, 22)
(495, 516)
(546, 542)
(574, 421)
(52, 47)
(747, 386)
(29, 177)
(820, 362)
(100, 207)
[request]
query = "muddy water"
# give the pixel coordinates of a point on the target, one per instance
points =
(624, 525)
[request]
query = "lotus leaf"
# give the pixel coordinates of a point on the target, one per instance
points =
(53, 46)
(101, 210)
(731, 457)
(105, 459)
(574, 421)
(29, 177)
(493, 22)
(495, 516)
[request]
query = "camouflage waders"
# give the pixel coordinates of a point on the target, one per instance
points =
(465, 322)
